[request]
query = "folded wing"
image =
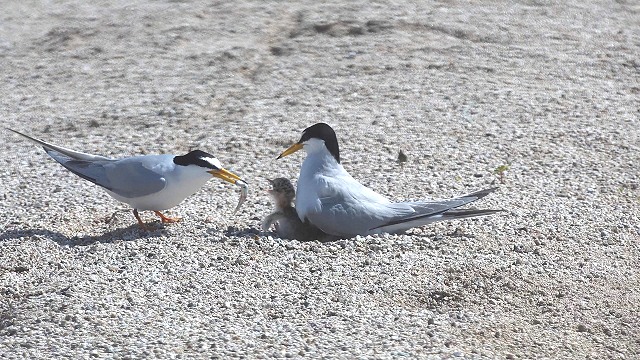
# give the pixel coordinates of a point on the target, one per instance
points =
(127, 177)
(372, 214)
(430, 211)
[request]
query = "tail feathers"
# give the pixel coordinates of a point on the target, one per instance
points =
(467, 213)
(76, 155)
(429, 212)
(480, 194)
(466, 199)
(401, 227)
(427, 208)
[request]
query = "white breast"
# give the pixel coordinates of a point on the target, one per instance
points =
(181, 182)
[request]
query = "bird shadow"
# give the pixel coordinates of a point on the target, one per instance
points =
(254, 233)
(234, 231)
(130, 233)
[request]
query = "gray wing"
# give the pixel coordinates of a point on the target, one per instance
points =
(127, 177)
(342, 206)
(364, 217)
(427, 209)
(339, 213)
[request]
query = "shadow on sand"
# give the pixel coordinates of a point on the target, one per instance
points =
(132, 232)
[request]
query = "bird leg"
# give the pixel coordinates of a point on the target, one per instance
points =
(271, 219)
(166, 219)
(142, 224)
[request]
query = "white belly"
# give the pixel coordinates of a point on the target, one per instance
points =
(172, 195)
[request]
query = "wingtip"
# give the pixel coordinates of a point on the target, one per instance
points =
(467, 213)
(37, 141)
(482, 193)
(19, 133)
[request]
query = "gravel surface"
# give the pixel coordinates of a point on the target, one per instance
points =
(548, 92)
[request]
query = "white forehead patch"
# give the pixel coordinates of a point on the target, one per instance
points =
(213, 161)
(313, 145)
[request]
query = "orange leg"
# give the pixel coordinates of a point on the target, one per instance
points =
(142, 224)
(165, 219)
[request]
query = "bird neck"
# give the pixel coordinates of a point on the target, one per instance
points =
(282, 203)
(320, 160)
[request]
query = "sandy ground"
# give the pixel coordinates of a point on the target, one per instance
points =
(461, 87)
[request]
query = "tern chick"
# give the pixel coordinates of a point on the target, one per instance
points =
(285, 218)
(147, 182)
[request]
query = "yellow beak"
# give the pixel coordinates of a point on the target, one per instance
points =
(225, 175)
(293, 148)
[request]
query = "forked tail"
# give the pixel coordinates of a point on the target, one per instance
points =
(76, 155)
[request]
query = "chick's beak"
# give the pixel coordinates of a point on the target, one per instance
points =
(293, 148)
(225, 175)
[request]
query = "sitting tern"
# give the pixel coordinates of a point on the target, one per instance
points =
(285, 218)
(331, 199)
(147, 182)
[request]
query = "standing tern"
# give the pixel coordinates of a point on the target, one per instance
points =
(287, 223)
(331, 199)
(147, 182)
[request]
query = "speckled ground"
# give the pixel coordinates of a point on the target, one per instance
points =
(547, 92)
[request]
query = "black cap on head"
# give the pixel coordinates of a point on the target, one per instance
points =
(196, 157)
(323, 132)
